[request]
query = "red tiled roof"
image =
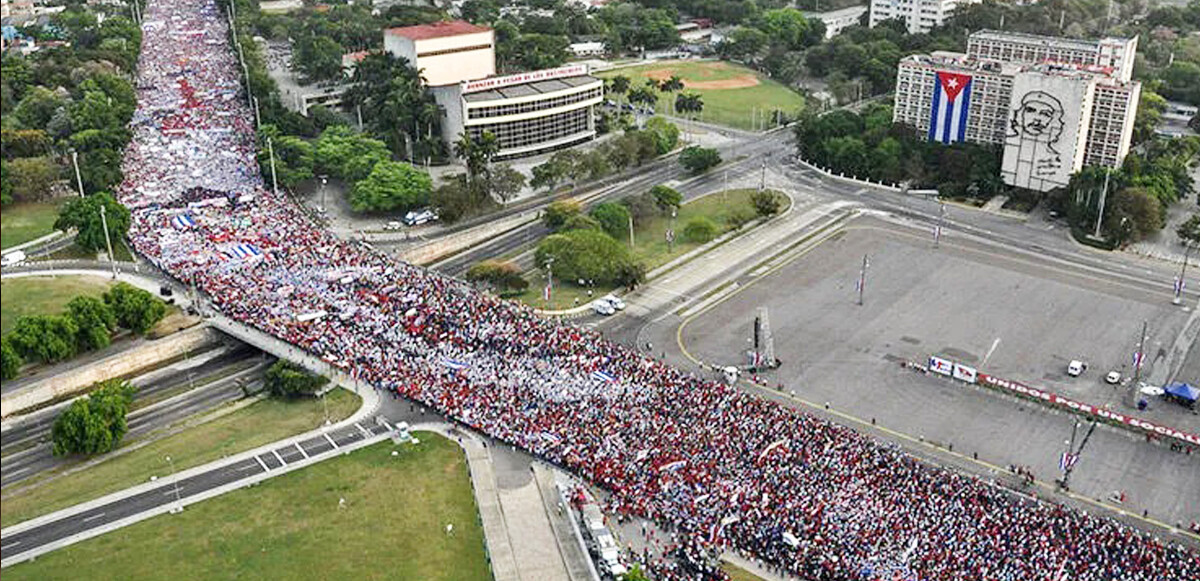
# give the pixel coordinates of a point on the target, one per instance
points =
(356, 56)
(436, 30)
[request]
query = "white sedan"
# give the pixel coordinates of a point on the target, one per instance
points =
(1113, 377)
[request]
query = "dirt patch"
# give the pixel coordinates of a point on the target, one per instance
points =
(738, 82)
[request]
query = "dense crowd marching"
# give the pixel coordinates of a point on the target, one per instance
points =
(723, 468)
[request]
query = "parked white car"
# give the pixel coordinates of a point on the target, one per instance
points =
(1113, 377)
(615, 301)
(393, 225)
(418, 217)
(602, 307)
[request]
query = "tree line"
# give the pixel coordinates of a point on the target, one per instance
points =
(72, 97)
(87, 324)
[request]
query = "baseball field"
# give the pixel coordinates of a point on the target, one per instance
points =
(733, 95)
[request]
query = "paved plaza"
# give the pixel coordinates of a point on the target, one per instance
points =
(1013, 315)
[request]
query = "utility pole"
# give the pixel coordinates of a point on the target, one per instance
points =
(324, 180)
(78, 178)
(862, 280)
(274, 180)
(108, 242)
(549, 281)
(631, 245)
(762, 178)
(257, 118)
(1103, 196)
(1179, 282)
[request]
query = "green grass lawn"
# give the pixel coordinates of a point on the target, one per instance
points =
(260, 423)
(20, 223)
(43, 295)
(737, 573)
(650, 246)
(393, 526)
(734, 106)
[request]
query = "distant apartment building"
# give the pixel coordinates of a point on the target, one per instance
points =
(918, 15)
(1114, 54)
(838, 20)
(1052, 116)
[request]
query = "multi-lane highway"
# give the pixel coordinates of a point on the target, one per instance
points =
(164, 397)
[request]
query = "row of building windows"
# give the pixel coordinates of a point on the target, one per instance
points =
(527, 132)
(454, 50)
(530, 106)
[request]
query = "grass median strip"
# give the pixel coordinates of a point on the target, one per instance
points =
(257, 424)
(393, 525)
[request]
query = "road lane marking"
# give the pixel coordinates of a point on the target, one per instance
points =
(263, 464)
(331, 442)
(278, 457)
(17, 471)
(93, 517)
(9, 546)
(302, 452)
(990, 351)
(364, 431)
(246, 467)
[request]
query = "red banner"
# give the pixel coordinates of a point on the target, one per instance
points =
(1086, 409)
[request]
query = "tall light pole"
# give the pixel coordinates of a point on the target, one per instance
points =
(78, 177)
(324, 180)
(1103, 196)
(274, 179)
(175, 478)
(1179, 282)
(862, 280)
(108, 241)
(1139, 358)
(631, 245)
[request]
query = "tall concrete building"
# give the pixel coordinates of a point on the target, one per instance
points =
(445, 52)
(1051, 114)
(918, 15)
(529, 113)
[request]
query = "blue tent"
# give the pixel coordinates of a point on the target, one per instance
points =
(1183, 391)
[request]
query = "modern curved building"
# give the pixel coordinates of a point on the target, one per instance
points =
(529, 113)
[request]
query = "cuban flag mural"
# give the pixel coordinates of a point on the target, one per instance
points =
(951, 100)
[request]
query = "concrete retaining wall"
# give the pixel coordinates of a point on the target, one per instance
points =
(447, 245)
(120, 364)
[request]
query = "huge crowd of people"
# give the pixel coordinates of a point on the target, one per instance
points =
(725, 469)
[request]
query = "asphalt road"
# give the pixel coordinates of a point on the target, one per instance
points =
(221, 381)
(741, 159)
(168, 489)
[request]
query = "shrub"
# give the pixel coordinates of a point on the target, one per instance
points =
(766, 202)
(699, 230)
(558, 212)
(287, 379)
(739, 217)
(502, 275)
(613, 218)
(698, 159)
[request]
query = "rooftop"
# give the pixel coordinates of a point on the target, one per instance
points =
(530, 88)
(437, 30)
(1075, 43)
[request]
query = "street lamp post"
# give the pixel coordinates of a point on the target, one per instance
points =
(175, 478)
(1179, 283)
(112, 260)
(274, 179)
(324, 180)
(78, 177)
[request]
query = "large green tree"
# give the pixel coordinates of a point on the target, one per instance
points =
(584, 254)
(391, 185)
(135, 309)
(10, 360)
(44, 338)
(289, 380)
(94, 424)
(94, 322)
(698, 159)
(83, 214)
(614, 218)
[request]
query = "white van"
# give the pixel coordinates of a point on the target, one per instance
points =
(1076, 368)
(13, 258)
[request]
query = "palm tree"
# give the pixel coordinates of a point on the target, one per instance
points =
(671, 85)
(619, 85)
(477, 153)
(689, 103)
